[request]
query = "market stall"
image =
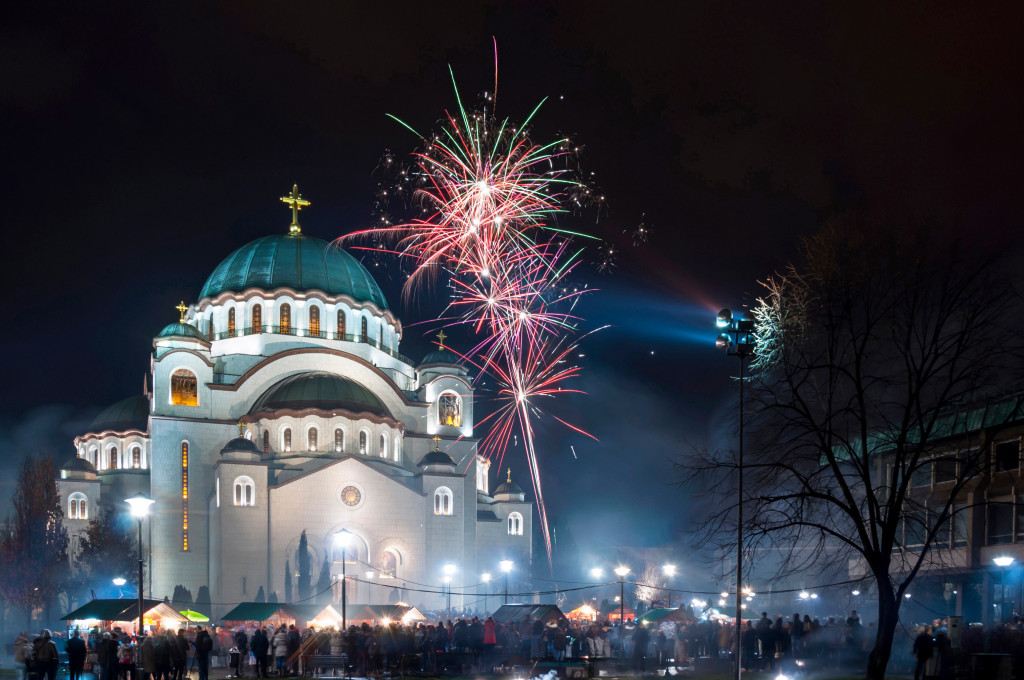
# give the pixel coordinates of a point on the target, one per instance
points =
(124, 614)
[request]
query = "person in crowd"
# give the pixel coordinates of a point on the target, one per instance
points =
(44, 656)
(75, 647)
(260, 646)
(924, 647)
(204, 645)
(242, 644)
(280, 644)
(22, 655)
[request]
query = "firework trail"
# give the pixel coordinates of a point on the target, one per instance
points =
(486, 198)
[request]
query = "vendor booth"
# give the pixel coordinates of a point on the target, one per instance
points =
(514, 613)
(124, 614)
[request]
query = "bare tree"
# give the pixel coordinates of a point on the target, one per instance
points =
(649, 584)
(869, 355)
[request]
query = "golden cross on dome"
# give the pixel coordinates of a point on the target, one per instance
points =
(181, 311)
(437, 443)
(297, 202)
(241, 428)
(441, 337)
(510, 475)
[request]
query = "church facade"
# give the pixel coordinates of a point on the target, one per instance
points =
(280, 403)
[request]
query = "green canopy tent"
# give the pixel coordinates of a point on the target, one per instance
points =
(194, 617)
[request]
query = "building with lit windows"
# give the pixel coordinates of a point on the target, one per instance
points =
(279, 403)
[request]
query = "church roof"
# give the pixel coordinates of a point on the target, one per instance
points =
(436, 457)
(128, 414)
(320, 390)
(240, 444)
(78, 464)
(508, 487)
(293, 261)
(442, 355)
(181, 329)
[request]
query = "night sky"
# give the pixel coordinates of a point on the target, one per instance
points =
(146, 141)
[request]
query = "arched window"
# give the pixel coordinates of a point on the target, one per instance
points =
(94, 457)
(314, 321)
(443, 501)
(78, 507)
(388, 564)
(365, 330)
(449, 409)
(382, 446)
(257, 318)
(266, 441)
(286, 439)
(112, 458)
(398, 449)
(362, 442)
(136, 457)
(341, 325)
(515, 524)
(245, 492)
(311, 437)
(286, 319)
(184, 496)
(216, 488)
(231, 322)
(339, 439)
(184, 388)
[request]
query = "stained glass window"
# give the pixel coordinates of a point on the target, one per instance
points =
(449, 410)
(231, 322)
(184, 495)
(257, 319)
(314, 322)
(341, 324)
(286, 318)
(184, 388)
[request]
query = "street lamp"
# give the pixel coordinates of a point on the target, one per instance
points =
(506, 566)
(342, 539)
(1003, 561)
(669, 570)
(140, 504)
(736, 339)
(449, 570)
(621, 573)
(486, 578)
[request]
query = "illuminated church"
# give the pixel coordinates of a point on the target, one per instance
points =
(280, 403)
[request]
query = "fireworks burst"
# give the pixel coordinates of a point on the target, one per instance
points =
(485, 198)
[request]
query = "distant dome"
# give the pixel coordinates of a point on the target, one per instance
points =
(436, 457)
(128, 414)
(319, 390)
(180, 329)
(509, 488)
(294, 261)
(78, 464)
(442, 355)
(240, 444)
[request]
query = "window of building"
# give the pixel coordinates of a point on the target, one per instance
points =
(78, 507)
(959, 518)
(311, 437)
(112, 458)
(257, 319)
(286, 318)
(94, 457)
(314, 321)
(922, 475)
(266, 441)
(231, 322)
(184, 495)
(945, 469)
(286, 439)
(915, 529)
(382, 446)
(339, 439)
(388, 564)
(1008, 456)
(136, 457)
(364, 331)
(942, 529)
(341, 325)
(449, 409)
(483, 469)
(443, 501)
(1000, 522)
(515, 524)
(245, 492)
(398, 449)
(216, 488)
(184, 388)
(362, 442)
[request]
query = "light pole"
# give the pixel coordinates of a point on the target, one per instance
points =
(506, 566)
(669, 570)
(1002, 562)
(486, 578)
(449, 571)
(736, 339)
(140, 504)
(342, 539)
(621, 573)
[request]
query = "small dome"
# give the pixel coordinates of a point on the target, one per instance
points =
(320, 390)
(436, 457)
(78, 464)
(294, 261)
(128, 414)
(240, 444)
(441, 355)
(508, 488)
(179, 329)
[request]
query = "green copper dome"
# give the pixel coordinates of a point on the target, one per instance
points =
(320, 390)
(128, 414)
(181, 330)
(293, 261)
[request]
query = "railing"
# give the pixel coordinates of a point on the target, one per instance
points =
(305, 333)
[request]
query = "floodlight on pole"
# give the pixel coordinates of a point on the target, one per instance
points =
(140, 504)
(342, 539)
(486, 578)
(506, 566)
(669, 570)
(621, 572)
(120, 581)
(596, 572)
(1003, 561)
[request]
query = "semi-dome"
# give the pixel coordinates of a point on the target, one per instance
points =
(181, 330)
(294, 261)
(128, 414)
(319, 390)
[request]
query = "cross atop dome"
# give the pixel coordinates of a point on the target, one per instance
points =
(181, 311)
(296, 202)
(441, 338)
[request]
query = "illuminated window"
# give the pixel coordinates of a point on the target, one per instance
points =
(483, 469)
(311, 437)
(286, 439)
(231, 322)
(257, 319)
(112, 458)
(286, 318)
(266, 441)
(443, 501)
(449, 410)
(362, 442)
(184, 388)
(365, 329)
(382, 446)
(314, 322)
(245, 492)
(398, 450)
(341, 324)
(388, 564)
(339, 439)
(136, 457)
(184, 495)
(94, 457)
(78, 507)
(515, 524)
(216, 487)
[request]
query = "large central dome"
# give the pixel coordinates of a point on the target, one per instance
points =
(320, 390)
(294, 261)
